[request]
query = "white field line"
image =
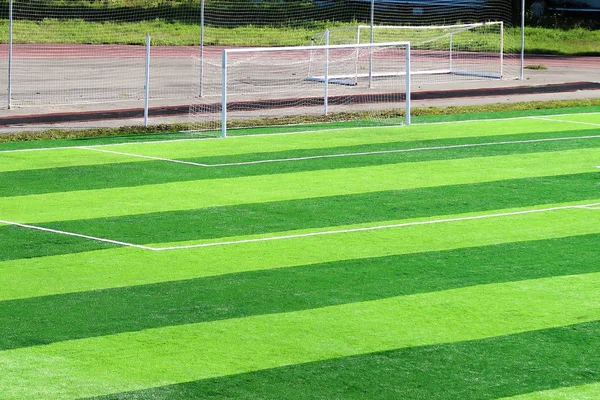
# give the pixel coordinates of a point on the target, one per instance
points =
(566, 121)
(366, 153)
(590, 206)
(147, 157)
(97, 239)
(379, 227)
(291, 133)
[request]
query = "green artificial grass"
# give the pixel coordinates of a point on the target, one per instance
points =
(347, 137)
(42, 320)
(87, 137)
(19, 243)
(155, 357)
(589, 391)
(323, 135)
(593, 118)
(122, 173)
(123, 267)
(177, 196)
(315, 213)
(510, 365)
(487, 307)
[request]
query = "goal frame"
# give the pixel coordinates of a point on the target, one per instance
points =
(459, 28)
(327, 80)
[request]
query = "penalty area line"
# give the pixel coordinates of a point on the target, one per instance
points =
(143, 156)
(97, 239)
(565, 121)
(590, 206)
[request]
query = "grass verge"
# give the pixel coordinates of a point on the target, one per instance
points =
(300, 123)
(170, 32)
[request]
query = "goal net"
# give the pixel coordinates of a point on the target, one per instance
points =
(64, 53)
(290, 85)
(461, 51)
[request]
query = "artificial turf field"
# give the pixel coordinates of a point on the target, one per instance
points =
(435, 261)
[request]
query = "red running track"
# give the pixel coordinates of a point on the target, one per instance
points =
(133, 51)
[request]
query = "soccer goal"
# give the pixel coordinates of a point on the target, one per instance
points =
(295, 85)
(466, 50)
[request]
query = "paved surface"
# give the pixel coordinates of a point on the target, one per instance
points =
(565, 78)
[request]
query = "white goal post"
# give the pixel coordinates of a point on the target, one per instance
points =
(473, 50)
(275, 83)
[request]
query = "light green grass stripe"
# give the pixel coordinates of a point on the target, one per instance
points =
(586, 118)
(53, 158)
(343, 137)
(453, 219)
(28, 160)
(128, 266)
(583, 392)
(156, 357)
(256, 189)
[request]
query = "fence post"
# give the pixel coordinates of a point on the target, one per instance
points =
(407, 101)
(522, 67)
(224, 94)
(326, 75)
(372, 40)
(147, 84)
(501, 49)
(201, 47)
(450, 49)
(10, 56)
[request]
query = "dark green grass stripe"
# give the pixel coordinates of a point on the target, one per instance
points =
(35, 321)
(312, 213)
(19, 243)
(18, 183)
(309, 213)
(484, 369)
(247, 219)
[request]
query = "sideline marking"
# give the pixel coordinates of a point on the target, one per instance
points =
(39, 228)
(307, 131)
(566, 121)
(366, 153)
(590, 206)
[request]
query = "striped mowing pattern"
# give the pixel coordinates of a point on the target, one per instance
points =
(433, 261)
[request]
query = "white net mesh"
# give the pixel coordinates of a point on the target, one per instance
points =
(462, 51)
(267, 86)
(89, 51)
